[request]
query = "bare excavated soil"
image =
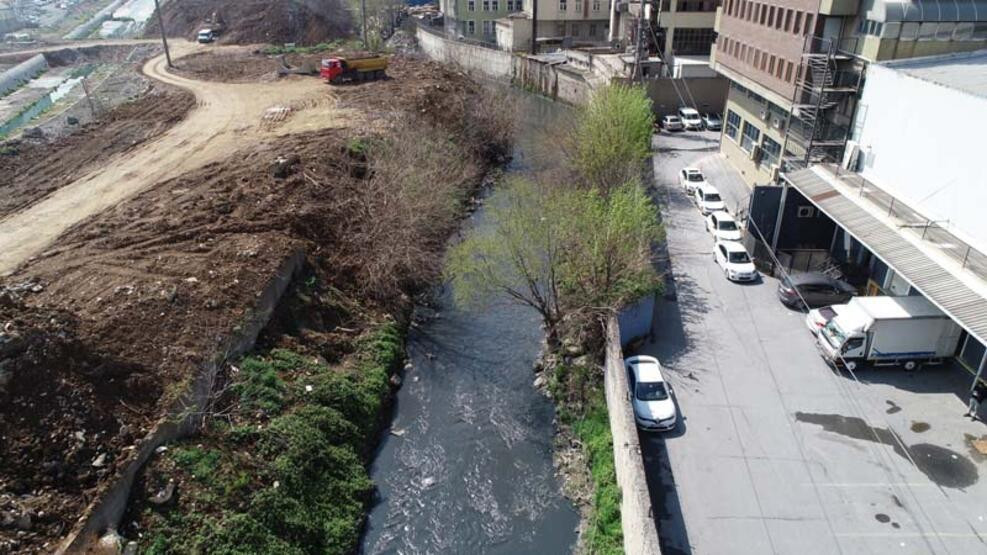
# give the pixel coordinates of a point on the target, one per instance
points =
(245, 65)
(304, 22)
(30, 170)
(100, 333)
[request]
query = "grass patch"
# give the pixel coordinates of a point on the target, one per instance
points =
(288, 473)
(604, 534)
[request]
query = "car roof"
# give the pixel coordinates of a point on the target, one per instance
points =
(648, 369)
(706, 188)
(671, 116)
(692, 170)
(722, 215)
(733, 246)
(687, 110)
(812, 278)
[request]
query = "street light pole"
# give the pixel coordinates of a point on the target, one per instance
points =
(164, 36)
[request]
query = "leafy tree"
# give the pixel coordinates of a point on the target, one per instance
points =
(612, 137)
(519, 255)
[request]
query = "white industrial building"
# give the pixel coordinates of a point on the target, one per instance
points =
(909, 203)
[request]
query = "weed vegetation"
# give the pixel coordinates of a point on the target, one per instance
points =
(285, 471)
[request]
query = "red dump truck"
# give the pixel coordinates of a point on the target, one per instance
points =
(363, 68)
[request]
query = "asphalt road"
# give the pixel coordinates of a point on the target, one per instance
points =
(776, 453)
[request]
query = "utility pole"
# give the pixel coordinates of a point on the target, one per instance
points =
(363, 16)
(534, 26)
(640, 32)
(164, 36)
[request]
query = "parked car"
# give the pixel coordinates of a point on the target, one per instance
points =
(651, 396)
(817, 289)
(817, 318)
(690, 178)
(723, 227)
(707, 199)
(691, 118)
(737, 264)
(712, 121)
(672, 123)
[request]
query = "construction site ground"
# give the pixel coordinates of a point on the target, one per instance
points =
(134, 247)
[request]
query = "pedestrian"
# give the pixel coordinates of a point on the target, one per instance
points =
(977, 397)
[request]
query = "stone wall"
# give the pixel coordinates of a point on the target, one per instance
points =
(103, 516)
(636, 513)
(95, 22)
(22, 73)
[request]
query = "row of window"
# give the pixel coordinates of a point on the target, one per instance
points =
(689, 6)
(750, 137)
(564, 5)
(494, 5)
(929, 30)
(789, 20)
(469, 27)
(773, 65)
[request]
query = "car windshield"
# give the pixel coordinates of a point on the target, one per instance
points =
(834, 333)
(695, 176)
(711, 197)
(827, 313)
(739, 258)
(672, 119)
(728, 225)
(651, 391)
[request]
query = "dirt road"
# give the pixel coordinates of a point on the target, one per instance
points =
(227, 117)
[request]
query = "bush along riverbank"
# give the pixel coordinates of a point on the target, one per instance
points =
(281, 468)
(575, 245)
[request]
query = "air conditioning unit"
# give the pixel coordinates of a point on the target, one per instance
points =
(778, 123)
(764, 115)
(775, 171)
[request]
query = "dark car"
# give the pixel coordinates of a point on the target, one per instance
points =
(817, 290)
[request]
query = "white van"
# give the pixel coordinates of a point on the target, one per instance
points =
(691, 118)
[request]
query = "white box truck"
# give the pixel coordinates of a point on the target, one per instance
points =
(906, 331)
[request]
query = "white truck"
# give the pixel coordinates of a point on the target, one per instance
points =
(906, 331)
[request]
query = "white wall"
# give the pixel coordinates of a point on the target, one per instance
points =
(924, 143)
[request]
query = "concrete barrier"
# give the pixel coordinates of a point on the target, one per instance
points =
(87, 28)
(636, 513)
(103, 516)
(470, 57)
(22, 73)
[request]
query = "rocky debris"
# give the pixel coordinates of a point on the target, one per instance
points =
(284, 166)
(164, 495)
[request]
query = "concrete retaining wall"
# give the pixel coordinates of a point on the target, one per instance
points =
(487, 61)
(635, 321)
(22, 73)
(103, 516)
(706, 94)
(636, 513)
(87, 28)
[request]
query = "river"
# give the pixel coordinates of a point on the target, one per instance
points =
(467, 467)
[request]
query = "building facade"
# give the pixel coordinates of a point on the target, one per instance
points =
(903, 213)
(796, 68)
(476, 19)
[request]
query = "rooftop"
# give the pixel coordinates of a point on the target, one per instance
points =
(965, 71)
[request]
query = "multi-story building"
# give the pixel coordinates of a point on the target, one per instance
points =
(795, 68)
(475, 19)
(903, 213)
(686, 28)
(576, 22)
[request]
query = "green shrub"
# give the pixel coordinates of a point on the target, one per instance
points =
(259, 387)
(604, 534)
(239, 534)
(202, 463)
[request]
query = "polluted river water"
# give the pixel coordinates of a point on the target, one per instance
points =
(467, 464)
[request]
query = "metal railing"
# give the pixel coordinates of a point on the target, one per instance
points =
(931, 231)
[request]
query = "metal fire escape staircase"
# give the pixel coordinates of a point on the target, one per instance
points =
(825, 80)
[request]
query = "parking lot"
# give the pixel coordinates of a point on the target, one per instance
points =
(775, 452)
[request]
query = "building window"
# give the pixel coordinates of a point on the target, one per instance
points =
(562, 5)
(772, 151)
(695, 6)
(592, 30)
(486, 5)
(488, 28)
(788, 71)
(788, 19)
(471, 6)
(470, 27)
(771, 16)
(596, 5)
(494, 5)
(798, 22)
(576, 26)
(751, 135)
(807, 29)
(733, 123)
(693, 41)
(579, 7)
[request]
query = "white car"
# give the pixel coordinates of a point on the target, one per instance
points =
(690, 178)
(736, 263)
(672, 123)
(690, 118)
(723, 227)
(651, 396)
(708, 199)
(817, 318)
